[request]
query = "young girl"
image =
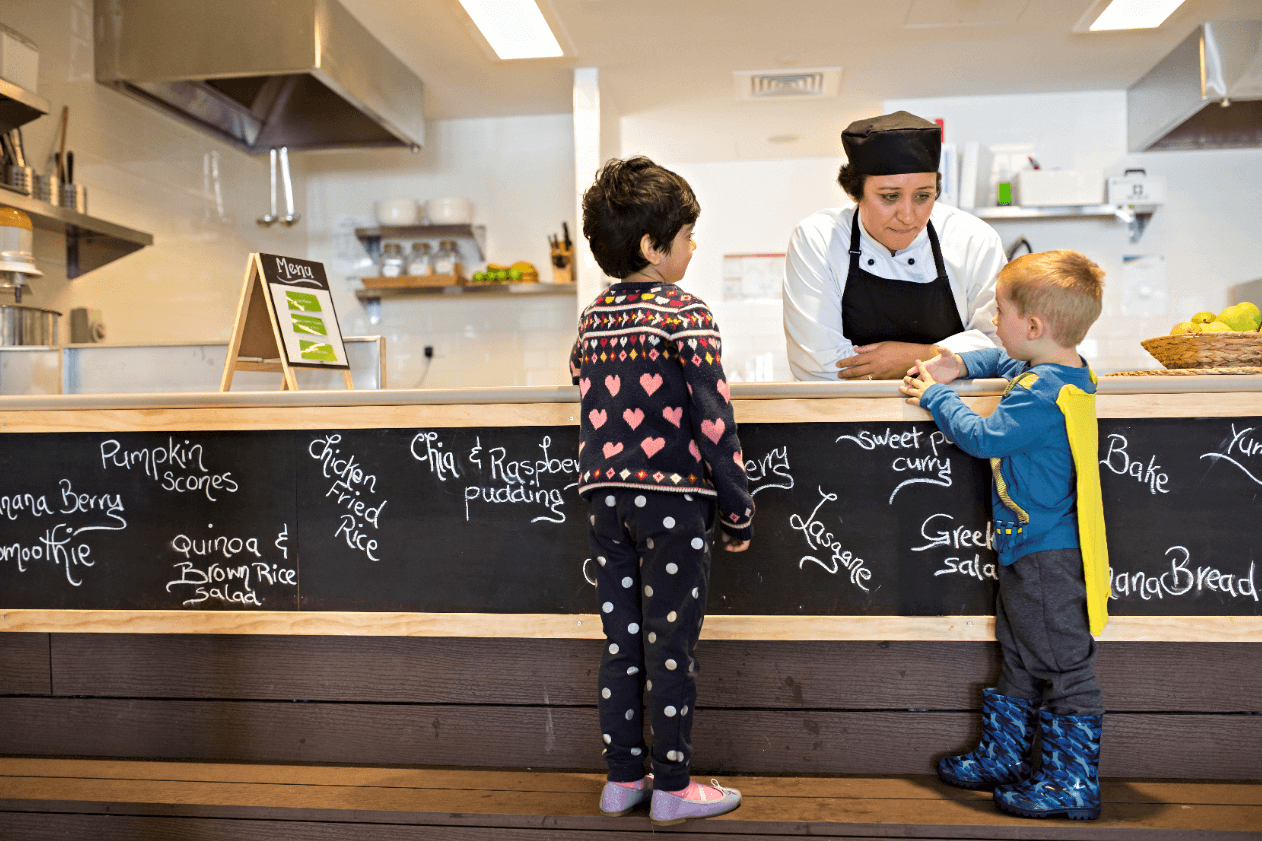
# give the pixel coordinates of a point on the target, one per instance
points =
(659, 461)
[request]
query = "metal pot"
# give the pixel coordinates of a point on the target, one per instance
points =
(27, 325)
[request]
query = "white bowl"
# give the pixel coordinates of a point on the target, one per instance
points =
(397, 211)
(456, 210)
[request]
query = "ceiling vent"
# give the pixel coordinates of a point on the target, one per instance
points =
(813, 83)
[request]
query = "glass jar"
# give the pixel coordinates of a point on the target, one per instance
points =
(392, 262)
(447, 260)
(419, 264)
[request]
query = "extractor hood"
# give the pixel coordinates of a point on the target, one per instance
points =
(1207, 94)
(261, 73)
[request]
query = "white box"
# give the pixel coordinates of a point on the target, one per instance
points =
(1137, 187)
(1048, 187)
(19, 59)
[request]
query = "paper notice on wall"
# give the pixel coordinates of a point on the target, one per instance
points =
(1145, 289)
(753, 277)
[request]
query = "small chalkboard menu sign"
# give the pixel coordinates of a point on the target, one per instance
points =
(285, 320)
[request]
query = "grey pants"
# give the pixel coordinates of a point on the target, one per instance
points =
(1041, 624)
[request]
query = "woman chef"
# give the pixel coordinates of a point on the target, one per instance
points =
(871, 288)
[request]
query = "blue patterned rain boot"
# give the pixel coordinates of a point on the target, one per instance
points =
(1067, 783)
(1006, 751)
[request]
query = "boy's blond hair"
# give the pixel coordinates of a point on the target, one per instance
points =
(1062, 287)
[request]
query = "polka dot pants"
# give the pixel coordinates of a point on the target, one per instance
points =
(652, 553)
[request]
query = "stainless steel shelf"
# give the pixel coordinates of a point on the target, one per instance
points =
(372, 237)
(480, 290)
(18, 106)
(90, 242)
(1135, 218)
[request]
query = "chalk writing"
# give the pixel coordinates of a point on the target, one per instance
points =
(770, 471)
(1183, 579)
(503, 480)
(1118, 460)
(938, 531)
(1242, 445)
(935, 466)
(185, 471)
(350, 484)
(817, 537)
(53, 546)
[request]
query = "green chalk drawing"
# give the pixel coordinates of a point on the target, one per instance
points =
(302, 301)
(309, 324)
(316, 351)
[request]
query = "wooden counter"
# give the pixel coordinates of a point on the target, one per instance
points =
(788, 685)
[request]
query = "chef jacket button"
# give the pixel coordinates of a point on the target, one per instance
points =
(911, 261)
(871, 262)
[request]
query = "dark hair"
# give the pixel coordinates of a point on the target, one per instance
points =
(852, 182)
(631, 198)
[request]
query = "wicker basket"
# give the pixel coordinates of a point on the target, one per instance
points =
(1206, 350)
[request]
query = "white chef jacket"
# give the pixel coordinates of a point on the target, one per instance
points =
(819, 259)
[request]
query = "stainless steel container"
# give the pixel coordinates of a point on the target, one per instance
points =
(28, 325)
(48, 188)
(21, 178)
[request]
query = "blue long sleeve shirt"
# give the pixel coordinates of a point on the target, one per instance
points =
(1033, 485)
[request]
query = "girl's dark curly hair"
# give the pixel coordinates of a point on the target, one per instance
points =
(631, 198)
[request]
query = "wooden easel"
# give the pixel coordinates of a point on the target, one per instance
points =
(256, 343)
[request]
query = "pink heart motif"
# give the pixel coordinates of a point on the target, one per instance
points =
(652, 445)
(695, 450)
(583, 385)
(650, 382)
(581, 445)
(633, 417)
(739, 458)
(674, 415)
(612, 449)
(597, 417)
(614, 383)
(725, 390)
(713, 429)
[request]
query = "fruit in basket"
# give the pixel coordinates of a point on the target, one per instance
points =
(1253, 308)
(1185, 327)
(1203, 318)
(1240, 318)
(1215, 327)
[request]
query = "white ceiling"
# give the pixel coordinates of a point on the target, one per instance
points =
(670, 62)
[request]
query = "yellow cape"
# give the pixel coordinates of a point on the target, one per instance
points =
(1078, 407)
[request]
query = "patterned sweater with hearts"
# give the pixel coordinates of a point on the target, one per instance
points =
(657, 413)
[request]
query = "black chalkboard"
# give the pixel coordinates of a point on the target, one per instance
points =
(869, 518)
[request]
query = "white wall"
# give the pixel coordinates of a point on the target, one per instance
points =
(519, 173)
(144, 170)
(1207, 230)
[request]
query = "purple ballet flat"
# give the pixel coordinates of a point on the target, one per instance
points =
(671, 809)
(616, 800)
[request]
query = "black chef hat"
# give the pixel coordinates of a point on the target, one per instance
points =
(892, 144)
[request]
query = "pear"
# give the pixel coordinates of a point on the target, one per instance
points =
(1239, 318)
(1185, 327)
(1216, 327)
(1203, 317)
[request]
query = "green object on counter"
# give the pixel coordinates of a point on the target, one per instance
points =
(1005, 194)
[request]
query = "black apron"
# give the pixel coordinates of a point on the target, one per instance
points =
(878, 309)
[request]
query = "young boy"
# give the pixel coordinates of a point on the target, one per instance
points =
(1049, 533)
(658, 453)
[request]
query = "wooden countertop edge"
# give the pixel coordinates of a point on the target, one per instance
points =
(587, 626)
(795, 410)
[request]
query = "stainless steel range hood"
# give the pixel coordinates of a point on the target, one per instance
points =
(261, 73)
(1207, 94)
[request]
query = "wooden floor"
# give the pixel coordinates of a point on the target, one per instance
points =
(105, 800)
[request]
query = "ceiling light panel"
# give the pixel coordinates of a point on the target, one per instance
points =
(1106, 16)
(515, 29)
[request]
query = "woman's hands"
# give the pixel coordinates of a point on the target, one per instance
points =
(883, 360)
(943, 368)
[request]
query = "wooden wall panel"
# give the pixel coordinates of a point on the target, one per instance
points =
(726, 741)
(1136, 676)
(24, 664)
